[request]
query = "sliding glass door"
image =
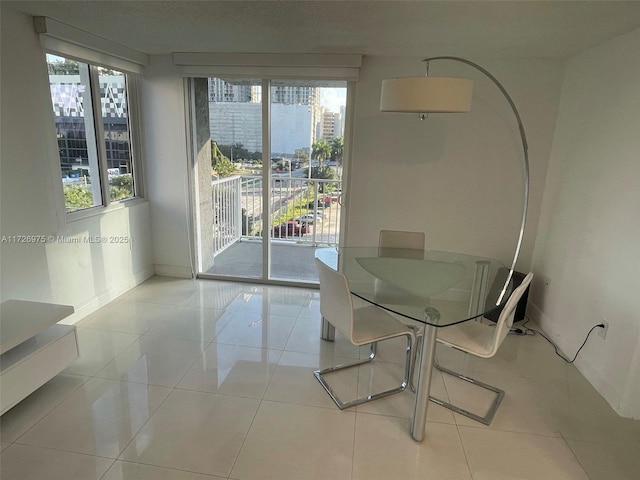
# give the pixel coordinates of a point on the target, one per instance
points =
(275, 150)
(307, 132)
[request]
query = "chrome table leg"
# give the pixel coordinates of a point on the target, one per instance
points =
(427, 356)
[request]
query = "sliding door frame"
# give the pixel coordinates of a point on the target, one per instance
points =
(266, 180)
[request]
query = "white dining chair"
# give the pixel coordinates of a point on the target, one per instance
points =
(481, 340)
(362, 326)
(388, 240)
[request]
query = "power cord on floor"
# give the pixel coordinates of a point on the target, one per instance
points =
(524, 330)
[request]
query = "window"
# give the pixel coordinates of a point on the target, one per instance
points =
(93, 128)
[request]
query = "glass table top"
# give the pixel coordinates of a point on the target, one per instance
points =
(432, 287)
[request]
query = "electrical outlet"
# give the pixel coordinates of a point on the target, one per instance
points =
(603, 331)
(547, 281)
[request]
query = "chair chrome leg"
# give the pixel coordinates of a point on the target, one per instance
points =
(328, 331)
(373, 349)
(487, 419)
(372, 353)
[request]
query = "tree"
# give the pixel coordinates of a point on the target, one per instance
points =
(220, 163)
(300, 155)
(121, 186)
(320, 150)
(67, 67)
(108, 71)
(235, 151)
(323, 173)
(337, 149)
(77, 197)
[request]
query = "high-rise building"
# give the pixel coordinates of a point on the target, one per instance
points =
(222, 91)
(235, 116)
(328, 125)
(67, 94)
(295, 95)
(343, 117)
(332, 125)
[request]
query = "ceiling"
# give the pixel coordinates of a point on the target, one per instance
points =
(391, 28)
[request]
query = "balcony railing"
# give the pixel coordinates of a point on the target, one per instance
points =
(227, 216)
(311, 204)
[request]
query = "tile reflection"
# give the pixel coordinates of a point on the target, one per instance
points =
(154, 360)
(195, 431)
(22, 462)
(100, 418)
(253, 328)
(191, 323)
(233, 370)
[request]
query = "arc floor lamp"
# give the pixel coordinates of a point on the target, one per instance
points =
(428, 94)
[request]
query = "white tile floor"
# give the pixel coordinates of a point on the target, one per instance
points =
(199, 380)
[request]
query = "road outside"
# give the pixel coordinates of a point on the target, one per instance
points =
(286, 189)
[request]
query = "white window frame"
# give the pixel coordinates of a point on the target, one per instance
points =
(133, 123)
(69, 42)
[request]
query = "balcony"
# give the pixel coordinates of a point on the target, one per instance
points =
(304, 215)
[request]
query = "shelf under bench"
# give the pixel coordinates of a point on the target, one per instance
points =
(34, 347)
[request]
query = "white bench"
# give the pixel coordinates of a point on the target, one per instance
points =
(33, 348)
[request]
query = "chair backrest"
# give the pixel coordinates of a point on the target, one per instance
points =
(505, 321)
(336, 304)
(391, 240)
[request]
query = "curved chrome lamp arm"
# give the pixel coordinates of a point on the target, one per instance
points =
(525, 148)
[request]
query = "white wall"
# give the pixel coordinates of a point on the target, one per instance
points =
(457, 177)
(165, 140)
(588, 243)
(83, 275)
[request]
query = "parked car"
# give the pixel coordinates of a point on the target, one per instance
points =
(308, 218)
(320, 204)
(289, 229)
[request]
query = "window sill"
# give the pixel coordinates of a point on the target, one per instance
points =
(99, 211)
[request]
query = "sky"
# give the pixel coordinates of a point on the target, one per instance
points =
(333, 98)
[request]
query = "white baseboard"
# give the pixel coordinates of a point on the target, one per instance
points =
(179, 271)
(584, 366)
(93, 304)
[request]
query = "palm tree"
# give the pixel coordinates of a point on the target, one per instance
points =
(320, 150)
(337, 149)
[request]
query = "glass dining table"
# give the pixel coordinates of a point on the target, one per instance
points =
(427, 289)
